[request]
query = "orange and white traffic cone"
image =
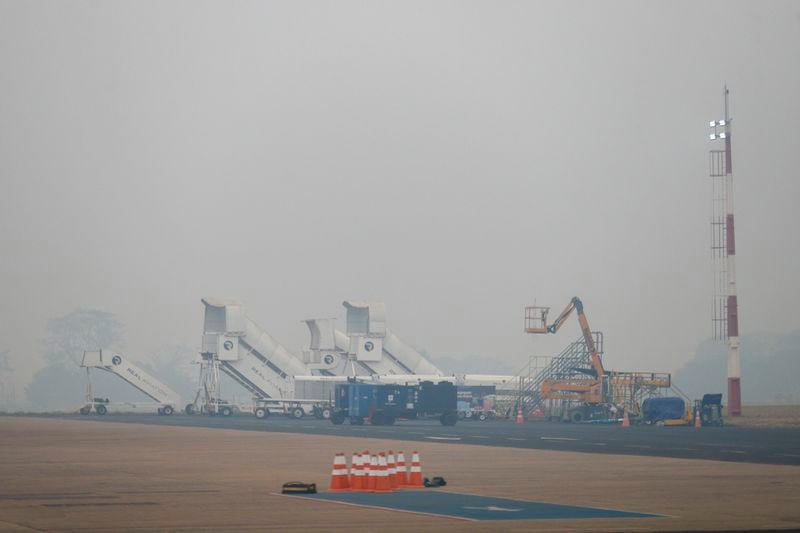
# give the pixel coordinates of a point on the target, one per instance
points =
(339, 478)
(698, 422)
(373, 473)
(392, 470)
(353, 468)
(402, 473)
(626, 422)
(415, 479)
(520, 418)
(357, 473)
(365, 463)
(382, 484)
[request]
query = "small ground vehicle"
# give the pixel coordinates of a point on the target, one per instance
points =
(710, 409)
(382, 404)
(476, 402)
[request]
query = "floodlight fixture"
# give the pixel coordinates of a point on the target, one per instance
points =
(718, 125)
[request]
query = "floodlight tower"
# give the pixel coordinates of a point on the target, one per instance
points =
(723, 248)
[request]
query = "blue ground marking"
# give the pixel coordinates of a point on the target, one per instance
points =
(472, 507)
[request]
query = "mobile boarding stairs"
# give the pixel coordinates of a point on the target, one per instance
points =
(165, 400)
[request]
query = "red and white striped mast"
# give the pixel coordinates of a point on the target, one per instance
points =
(722, 167)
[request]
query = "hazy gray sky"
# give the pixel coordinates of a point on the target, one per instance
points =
(453, 159)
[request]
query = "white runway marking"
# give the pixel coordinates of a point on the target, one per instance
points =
(513, 438)
(787, 454)
(444, 438)
(557, 438)
(598, 443)
(479, 437)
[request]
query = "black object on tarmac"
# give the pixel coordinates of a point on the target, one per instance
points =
(298, 487)
(435, 482)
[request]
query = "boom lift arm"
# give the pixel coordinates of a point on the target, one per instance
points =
(605, 386)
(538, 324)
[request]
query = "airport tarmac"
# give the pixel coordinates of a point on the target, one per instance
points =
(739, 444)
(61, 474)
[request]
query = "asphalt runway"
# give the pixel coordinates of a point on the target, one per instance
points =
(751, 445)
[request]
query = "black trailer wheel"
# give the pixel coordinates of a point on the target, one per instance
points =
(101, 409)
(377, 419)
(389, 420)
(448, 419)
(297, 413)
(262, 413)
(337, 418)
(160, 411)
(356, 421)
(85, 410)
(168, 410)
(189, 409)
(576, 416)
(226, 411)
(482, 417)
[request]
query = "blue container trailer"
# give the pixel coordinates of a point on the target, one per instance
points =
(382, 404)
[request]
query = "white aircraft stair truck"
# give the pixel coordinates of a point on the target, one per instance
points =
(235, 344)
(367, 348)
(165, 400)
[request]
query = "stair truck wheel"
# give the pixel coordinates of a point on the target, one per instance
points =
(261, 413)
(101, 409)
(482, 417)
(227, 411)
(85, 410)
(160, 411)
(167, 411)
(337, 418)
(189, 409)
(297, 413)
(448, 419)
(326, 413)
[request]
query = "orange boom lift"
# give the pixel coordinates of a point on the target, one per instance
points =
(599, 393)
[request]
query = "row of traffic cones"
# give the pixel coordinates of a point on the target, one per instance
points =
(381, 472)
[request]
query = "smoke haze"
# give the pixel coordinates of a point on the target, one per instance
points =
(456, 160)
